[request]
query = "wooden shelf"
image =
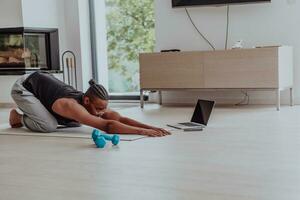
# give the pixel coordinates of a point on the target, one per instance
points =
(269, 68)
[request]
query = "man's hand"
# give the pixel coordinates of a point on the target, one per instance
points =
(112, 115)
(158, 132)
(161, 130)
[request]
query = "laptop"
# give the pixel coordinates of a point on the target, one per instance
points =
(199, 119)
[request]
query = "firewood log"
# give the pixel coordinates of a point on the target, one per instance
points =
(16, 54)
(3, 60)
(14, 60)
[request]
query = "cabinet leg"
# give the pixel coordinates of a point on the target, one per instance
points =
(160, 97)
(142, 98)
(278, 99)
(291, 97)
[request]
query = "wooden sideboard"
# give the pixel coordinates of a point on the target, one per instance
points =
(268, 68)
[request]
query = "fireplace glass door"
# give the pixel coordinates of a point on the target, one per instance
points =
(23, 50)
(35, 55)
(11, 51)
(18, 51)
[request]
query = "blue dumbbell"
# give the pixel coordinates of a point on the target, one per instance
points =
(95, 134)
(99, 138)
(115, 139)
(100, 142)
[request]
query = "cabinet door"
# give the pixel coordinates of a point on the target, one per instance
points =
(172, 70)
(242, 68)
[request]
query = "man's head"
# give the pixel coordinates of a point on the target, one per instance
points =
(95, 99)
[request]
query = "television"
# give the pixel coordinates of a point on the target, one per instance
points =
(186, 3)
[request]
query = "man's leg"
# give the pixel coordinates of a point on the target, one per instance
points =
(36, 117)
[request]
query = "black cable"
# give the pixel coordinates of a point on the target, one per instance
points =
(227, 28)
(188, 14)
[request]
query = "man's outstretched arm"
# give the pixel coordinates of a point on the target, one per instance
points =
(70, 109)
(112, 115)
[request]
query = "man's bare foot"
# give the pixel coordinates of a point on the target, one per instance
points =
(15, 119)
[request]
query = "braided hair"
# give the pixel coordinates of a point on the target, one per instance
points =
(97, 90)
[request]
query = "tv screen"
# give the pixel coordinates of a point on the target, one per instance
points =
(183, 3)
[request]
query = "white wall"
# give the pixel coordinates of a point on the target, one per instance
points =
(10, 16)
(42, 13)
(85, 41)
(101, 42)
(77, 38)
(275, 23)
(11, 13)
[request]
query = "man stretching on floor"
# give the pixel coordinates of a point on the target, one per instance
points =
(47, 102)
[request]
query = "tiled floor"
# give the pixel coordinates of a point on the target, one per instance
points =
(246, 153)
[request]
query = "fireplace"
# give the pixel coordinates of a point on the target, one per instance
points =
(28, 49)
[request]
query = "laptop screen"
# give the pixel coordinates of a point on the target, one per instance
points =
(202, 111)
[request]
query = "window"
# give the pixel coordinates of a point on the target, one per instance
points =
(130, 31)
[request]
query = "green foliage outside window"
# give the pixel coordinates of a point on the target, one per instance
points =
(130, 31)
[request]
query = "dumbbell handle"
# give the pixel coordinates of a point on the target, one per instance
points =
(107, 137)
(98, 133)
(114, 139)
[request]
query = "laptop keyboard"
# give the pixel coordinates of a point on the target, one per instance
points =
(189, 124)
